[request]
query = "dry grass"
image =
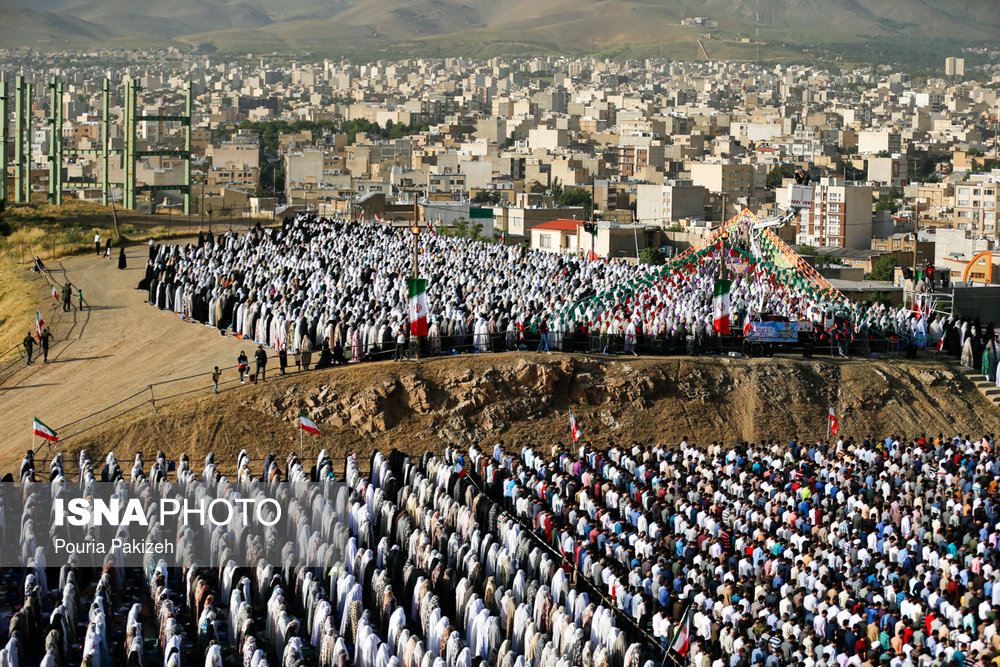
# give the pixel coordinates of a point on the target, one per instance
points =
(18, 302)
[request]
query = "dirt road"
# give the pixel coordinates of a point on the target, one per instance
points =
(115, 347)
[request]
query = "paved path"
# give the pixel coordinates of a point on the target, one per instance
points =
(111, 350)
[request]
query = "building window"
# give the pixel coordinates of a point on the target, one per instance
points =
(963, 202)
(544, 241)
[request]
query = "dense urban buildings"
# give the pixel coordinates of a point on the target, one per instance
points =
(508, 145)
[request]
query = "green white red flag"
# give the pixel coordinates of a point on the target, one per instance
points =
(574, 427)
(43, 431)
(720, 307)
(39, 323)
(418, 305)
(308, 425)
(681, 641)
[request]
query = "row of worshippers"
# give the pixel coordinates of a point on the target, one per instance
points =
(49, 638)
(345, 284)
(316, 283)
(974, 345)
(413, 554)
(853, 552)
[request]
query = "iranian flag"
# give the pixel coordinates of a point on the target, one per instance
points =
(747, 326)
(720, 307)
(574, 427)
(503, 238)
(681, 641)
(39, 323)
(431, 228)
(43, 431)
(308, 425)
(418, 305)
(833, 421)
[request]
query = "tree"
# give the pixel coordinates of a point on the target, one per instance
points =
(576, 197)
(556, 188)
(807, 250)
(884, 270)
(891, 204)
(487, 197)
(653, 256)
(777, 174)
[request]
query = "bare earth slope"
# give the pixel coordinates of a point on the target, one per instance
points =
(121, 345)
(526, 397)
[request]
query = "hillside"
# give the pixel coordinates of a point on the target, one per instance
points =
(486, 27)
(526, 397)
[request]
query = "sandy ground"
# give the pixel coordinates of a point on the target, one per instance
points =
(111, 350)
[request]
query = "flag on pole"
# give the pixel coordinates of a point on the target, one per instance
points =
(308, 425)
(361, 218)
(833, 421)
(720, 307)
(431, 229)
(418, 305)
(43, 431)
(55, 293)
(747, 326)
(39, 323)
(378, 219)
(503, 237)
(940, 343)
(681, 641)
(574, 427)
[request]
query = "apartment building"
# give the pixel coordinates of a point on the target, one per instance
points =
(976, 207)
(841, 215)
(666, 203)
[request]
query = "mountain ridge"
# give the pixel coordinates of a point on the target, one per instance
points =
(461, 27)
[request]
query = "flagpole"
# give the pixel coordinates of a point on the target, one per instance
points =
(828, 423)
(300, 441)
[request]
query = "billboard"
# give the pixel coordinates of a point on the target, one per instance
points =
(773, 332)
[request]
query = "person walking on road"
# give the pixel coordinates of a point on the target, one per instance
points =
(79, 295)
(122, 262)
(67, 297)
(107, 249)
(260, 356)
(29, 346)
(97, 243)
(45, 339)
(216, 374)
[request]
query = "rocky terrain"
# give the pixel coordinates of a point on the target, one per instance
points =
(526, 398)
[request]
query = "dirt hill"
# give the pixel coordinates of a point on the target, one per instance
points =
(526, 397)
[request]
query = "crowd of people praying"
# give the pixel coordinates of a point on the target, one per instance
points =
(338, 289)
(854, 551)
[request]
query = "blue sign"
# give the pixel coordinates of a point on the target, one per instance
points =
(773, 332)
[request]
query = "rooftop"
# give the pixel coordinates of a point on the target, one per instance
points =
(562, 224)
